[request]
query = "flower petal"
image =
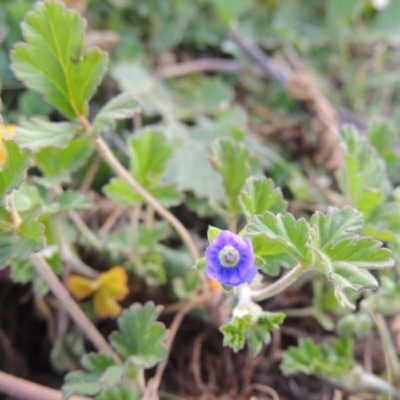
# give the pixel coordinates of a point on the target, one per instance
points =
(106, 306)
(81, 287)
(113, 283)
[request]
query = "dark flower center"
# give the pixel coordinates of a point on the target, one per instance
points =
(229, 257)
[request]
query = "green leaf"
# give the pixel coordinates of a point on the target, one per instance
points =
(260, 196)
(18, 243)
(233, 162)
(255, 327)
(140, 338)
(281, 234)
(333, 362)
(53, 60)
(120, 393)
(150, 153)
(87, 382)
(119, 191)
(212, 233)
(192, 160)
(73, 200)
(363, 178)
(122, 106)
(383, 138)
(58, 164)
(37, 133)
(124, 195)
(346, 263)
(360, 324)
(336, 225)
(12, 173)
(260, 331)
(201, 263)
(235, 332)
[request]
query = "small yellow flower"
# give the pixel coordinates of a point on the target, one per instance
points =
(6, 132)
(107, 289)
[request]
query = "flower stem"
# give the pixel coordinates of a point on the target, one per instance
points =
(279, 285)
(126, 176)
(22, 389)
(389, 349)
(369, 382)
(71, 307)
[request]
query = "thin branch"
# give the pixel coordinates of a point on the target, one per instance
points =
(26, 390)
(119, 169)
(71, 307)
(83, 228)
(198, 66)
(154, 383)
(279, 285)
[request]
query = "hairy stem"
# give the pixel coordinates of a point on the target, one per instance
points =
(279, 285)
(154, 383)
(83, 228)
(369, 381)
(119, 169)
(23, 389)
(389, 348)
(71, 307)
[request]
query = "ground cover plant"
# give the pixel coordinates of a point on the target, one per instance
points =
(199, 200)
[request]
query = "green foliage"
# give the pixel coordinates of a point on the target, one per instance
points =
(88, 381)
(120, 107)
(139, 344)
(19, 238)
(256, 329)
(37, 133)
(140, 338)
(360, 324)
(329, 244)
(363, 179)
(282, 234)
(260, 196)
(69, 75)
(149, 155)
(12, 173)
(333, 362)
(119, 393)
(233, 162)
(212, 233)
(57, 164)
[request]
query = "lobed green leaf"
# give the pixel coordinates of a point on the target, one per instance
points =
(259, 196)
(140, 336)
(53, 61)
(13, 171)
(37, 133)
(122, 106)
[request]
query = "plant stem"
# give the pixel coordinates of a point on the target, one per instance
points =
(153, 384)
(71, 307)
(232, 222)
(369, 381)
(279, 285)
(126, 176)
(23, 389)
(389, 349)
(299, 312)
(83, 228)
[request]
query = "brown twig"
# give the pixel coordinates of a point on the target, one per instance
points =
(70, 305)
(154, 383)
(23, 389)
(110, 222)
(198, 66)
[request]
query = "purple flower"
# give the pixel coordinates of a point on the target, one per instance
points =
(230, 259)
